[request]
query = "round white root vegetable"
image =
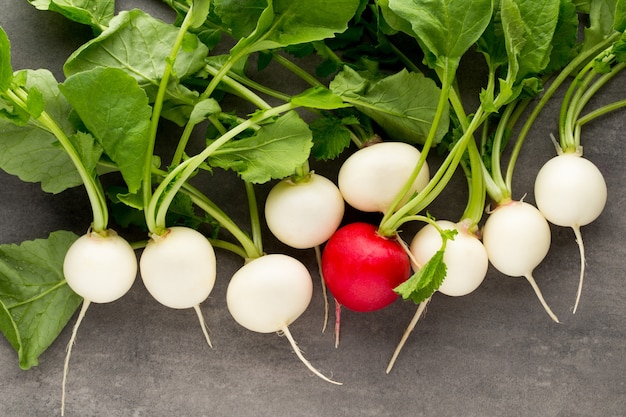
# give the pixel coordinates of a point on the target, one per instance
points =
(517, 238)
(101, 268)
(370, 179)
(570, 191)
(304, 214)
(179, 269)
(269, 293)
(466, 266)
(465, 257)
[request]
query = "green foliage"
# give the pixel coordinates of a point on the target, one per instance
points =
(35, 301)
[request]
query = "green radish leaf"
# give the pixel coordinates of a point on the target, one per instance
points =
(330, 137)
(32, 153)
(287, 22)
(446, 29)
(95, 13)
(273, 152)
(203, 109)
(423, 284)
(620, 16)
(529, 27)
(35, 301)
(602, 20)
(140, 45)
(319, 98)
(199, 12)
(240, 17)
(403, 104)
(116, 111)
(565, 37)
(6, 72)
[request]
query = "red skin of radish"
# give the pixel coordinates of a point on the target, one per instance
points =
(361, 268)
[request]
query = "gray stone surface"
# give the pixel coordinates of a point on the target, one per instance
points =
(492, 353)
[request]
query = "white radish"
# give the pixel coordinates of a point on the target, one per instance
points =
(570, 191)
(371, 178)
(465, 257)
(517, 238)
(304, 214)
(178, 268)
(101, 268)
(466, 265)
(269, 293)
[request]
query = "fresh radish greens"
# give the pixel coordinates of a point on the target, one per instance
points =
(378, 94)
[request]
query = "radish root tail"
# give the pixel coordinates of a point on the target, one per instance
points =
(581, 248)
(420, 310)
(205, 331)
(318, 258)
(532, 282)
(308, 364)
(337, 322)
(66, 365)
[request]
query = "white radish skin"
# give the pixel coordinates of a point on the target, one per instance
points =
(370, 179)
(304, 214)
(466, 262)
(101, 268)
(269, 293)
(179, 269)
(570, 191)
(517, 238)
(465, 257)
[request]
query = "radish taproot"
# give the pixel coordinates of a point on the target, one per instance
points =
(570, 191)
(269, 293)
(371, 178)
(517, 238)
(101, 268)
(178, 268)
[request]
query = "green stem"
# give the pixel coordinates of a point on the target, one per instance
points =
(92, 185)
(156, 114)
(255, 222)
(164, 194)
(437, 183)
(441, 105)
(297, 70)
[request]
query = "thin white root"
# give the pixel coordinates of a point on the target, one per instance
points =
(530, 279)
(581, 248)
(318, 257)
(66, 366)
(298, 352)
(420, 310)
(203, 324)
(337, 322)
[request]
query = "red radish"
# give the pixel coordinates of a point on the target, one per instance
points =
(517, 238)
(372, 177)
(570, 191)
(361, 268)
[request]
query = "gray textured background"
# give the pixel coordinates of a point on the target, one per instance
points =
(492, 353)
